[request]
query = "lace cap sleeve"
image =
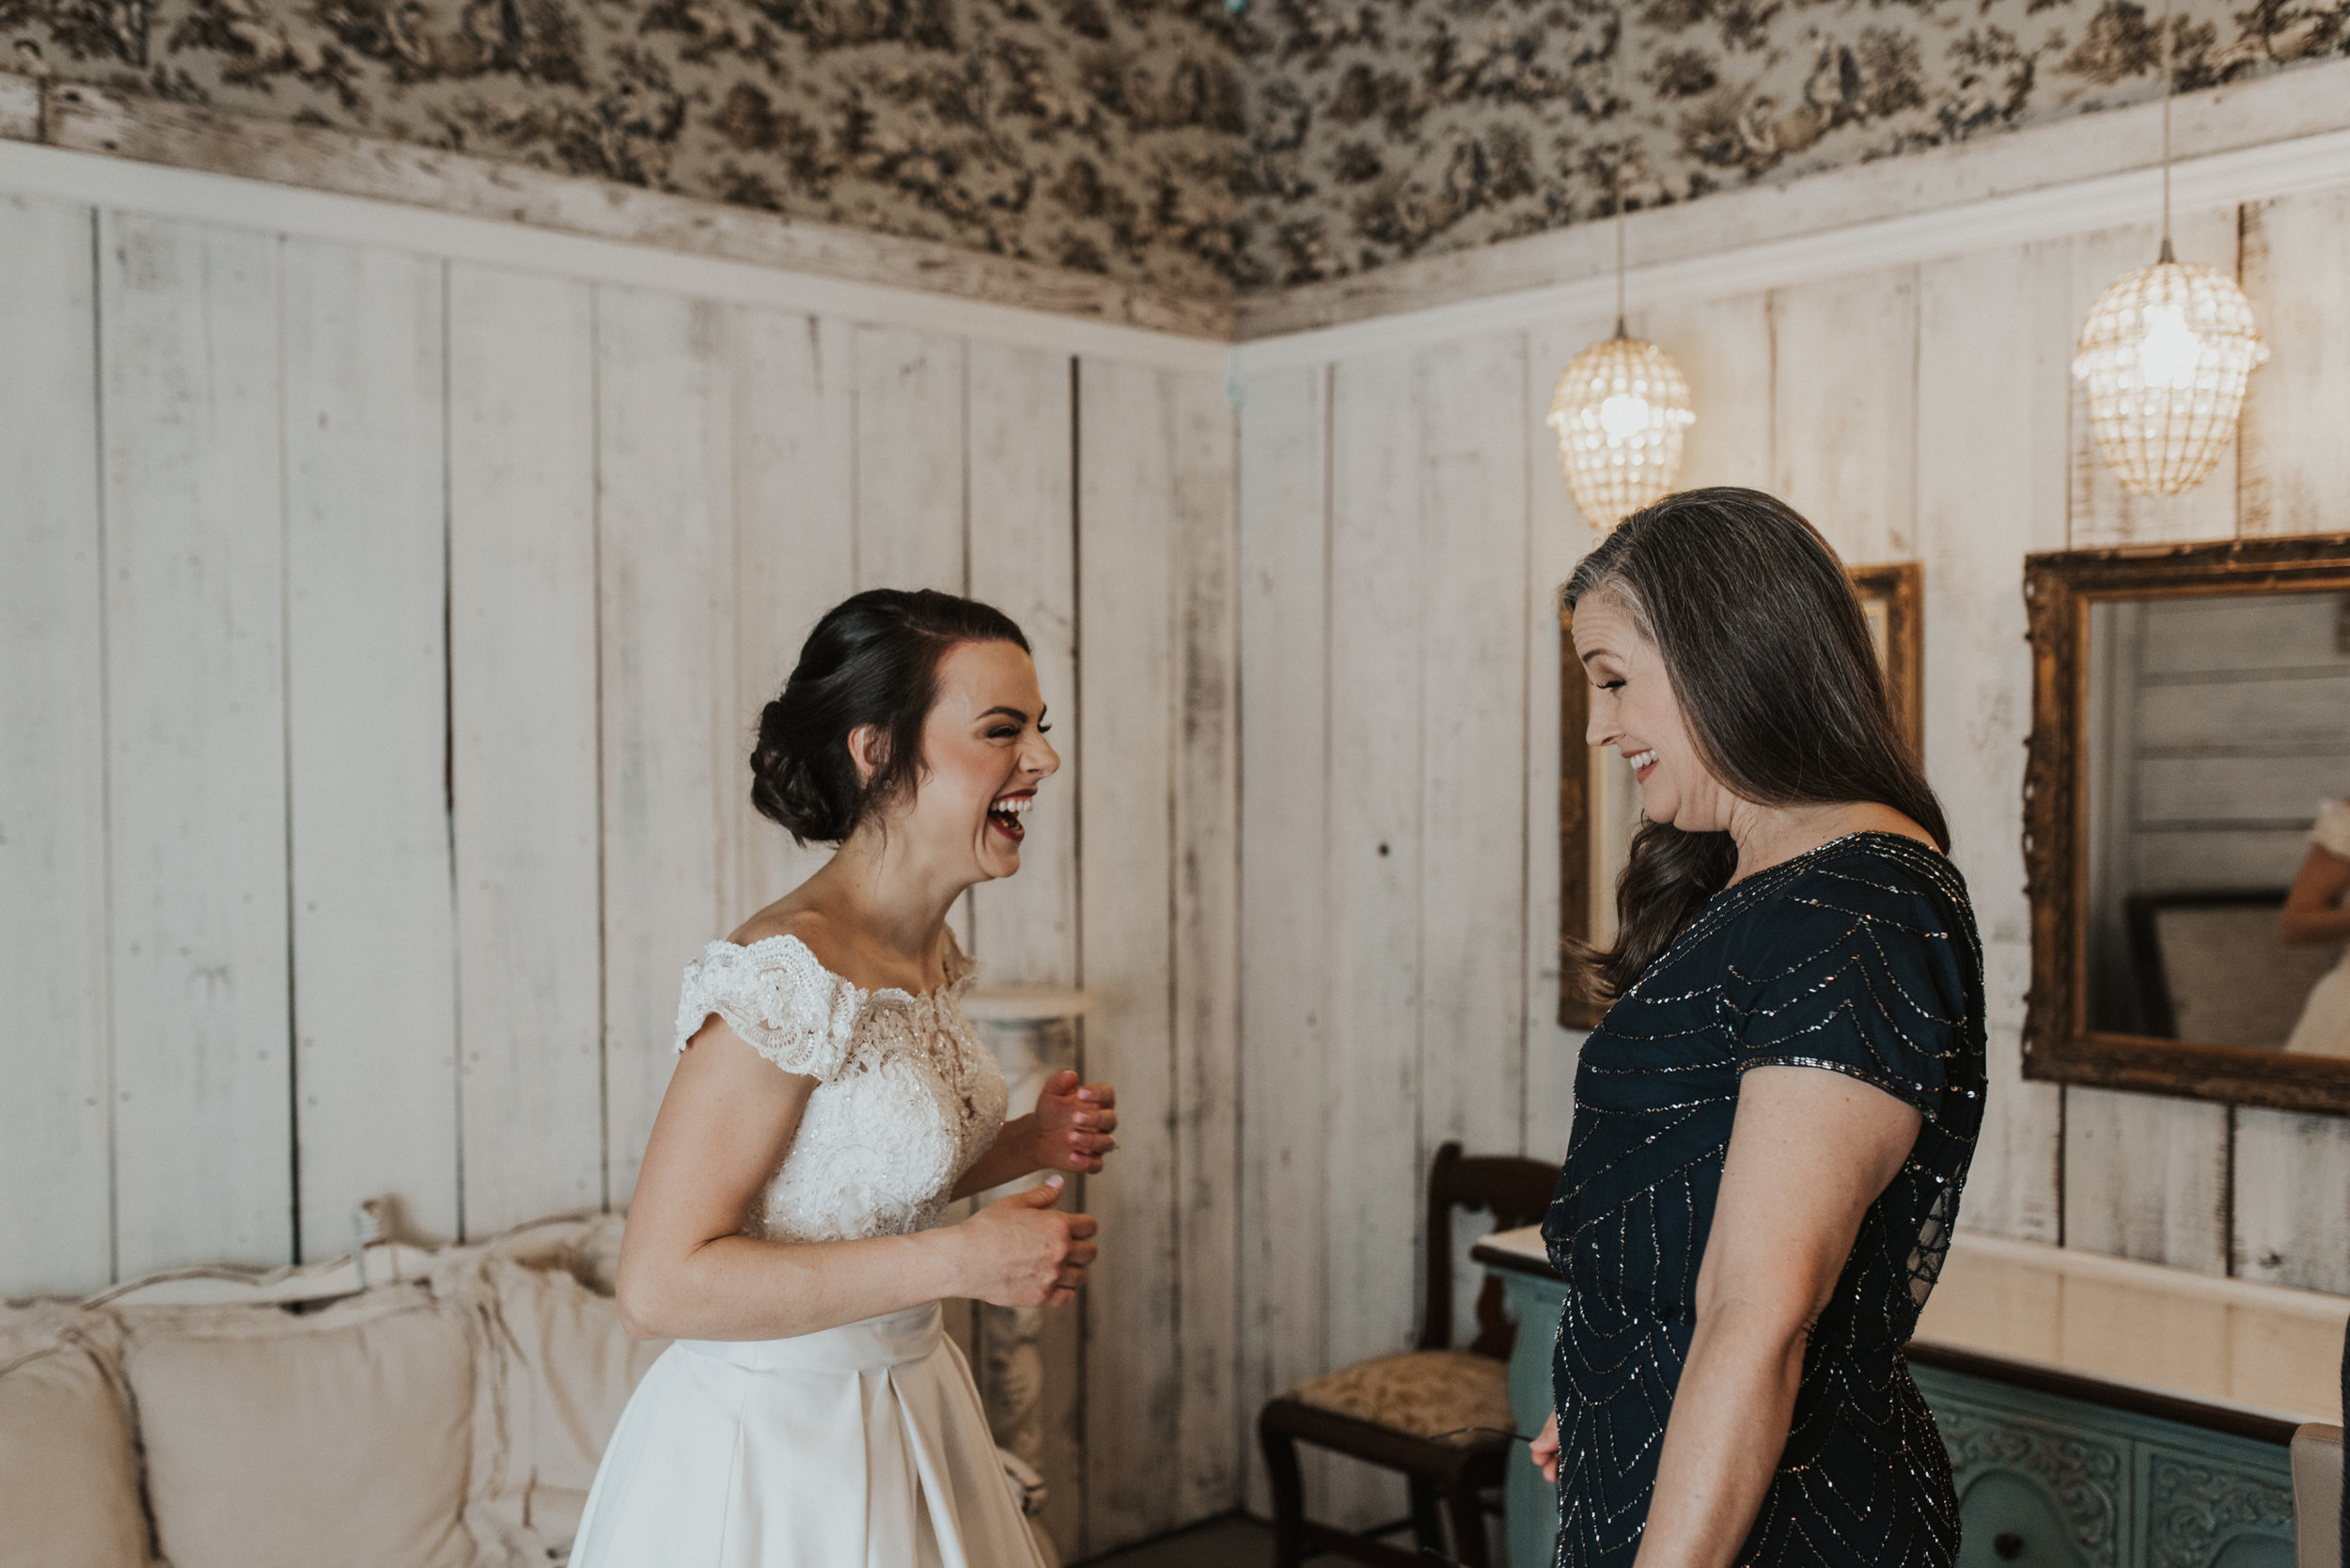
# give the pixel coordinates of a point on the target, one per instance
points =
(1863, 970)
(2332, 832)
(791, 1009)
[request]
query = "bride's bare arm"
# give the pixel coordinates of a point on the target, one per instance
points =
(2313, 912)
(1809, 1152)
(687, 1272)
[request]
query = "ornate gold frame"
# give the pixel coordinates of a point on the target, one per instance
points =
(1901, 588)
(2059, 589)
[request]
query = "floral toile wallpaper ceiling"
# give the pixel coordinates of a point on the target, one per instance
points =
(1383, 129)
(1168, 141)
(1092, 133)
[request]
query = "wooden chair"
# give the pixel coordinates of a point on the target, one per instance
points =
(1438, 1415)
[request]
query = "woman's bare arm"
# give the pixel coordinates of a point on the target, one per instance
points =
(687, 1272)
(1809, 1152)
(2312, 914)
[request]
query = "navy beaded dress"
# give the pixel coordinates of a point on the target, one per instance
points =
(1858, 957)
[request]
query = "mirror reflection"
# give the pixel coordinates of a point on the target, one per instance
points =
(2218, 763)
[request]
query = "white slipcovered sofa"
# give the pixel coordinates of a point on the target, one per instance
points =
(449, 1415)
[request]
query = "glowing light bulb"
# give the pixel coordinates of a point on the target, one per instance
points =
(1622, 418)
(2170, 351)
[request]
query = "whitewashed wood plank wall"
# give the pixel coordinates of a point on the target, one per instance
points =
(1399, 798)
(386, 633)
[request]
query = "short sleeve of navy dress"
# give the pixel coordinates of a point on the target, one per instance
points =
(1858, 957)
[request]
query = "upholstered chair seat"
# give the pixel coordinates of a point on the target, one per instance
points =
(1455, 1397)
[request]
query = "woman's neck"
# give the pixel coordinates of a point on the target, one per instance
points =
(1768, 836)
(878, 891)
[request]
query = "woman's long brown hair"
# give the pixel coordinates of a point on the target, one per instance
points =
(1779, 684)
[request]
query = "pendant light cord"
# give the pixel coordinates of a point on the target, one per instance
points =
(2167, 74)
(1624, 137)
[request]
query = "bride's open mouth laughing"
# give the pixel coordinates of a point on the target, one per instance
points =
(1005, 814)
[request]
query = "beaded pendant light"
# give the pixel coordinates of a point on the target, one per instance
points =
(1621, 406)
(2165, 354)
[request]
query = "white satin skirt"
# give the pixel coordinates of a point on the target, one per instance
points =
(863, 1446)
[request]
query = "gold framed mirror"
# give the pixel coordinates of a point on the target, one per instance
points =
(2191, 731)
(1599, 800)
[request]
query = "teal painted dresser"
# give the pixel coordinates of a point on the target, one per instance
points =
(2053, 1470)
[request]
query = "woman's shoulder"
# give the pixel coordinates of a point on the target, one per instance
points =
(784, 927)
(778, 995)
(1900, 898)
(1867, 873)
(1864, 959)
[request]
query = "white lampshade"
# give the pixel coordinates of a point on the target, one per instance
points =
(2165, 354)
(1619, 412)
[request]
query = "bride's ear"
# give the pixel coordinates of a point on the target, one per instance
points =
(869, 748)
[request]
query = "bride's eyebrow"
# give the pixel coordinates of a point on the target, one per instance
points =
(1008, 713)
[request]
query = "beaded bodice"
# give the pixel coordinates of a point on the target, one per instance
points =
(1860, 957)
(906, 1096)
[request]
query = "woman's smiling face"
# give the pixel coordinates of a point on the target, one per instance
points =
(984, 754)
(1634, 710)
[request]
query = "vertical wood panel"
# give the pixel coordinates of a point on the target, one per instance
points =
(374, 945)
(1023, 562)
(1206, 825)
(1024, 931)
(1557, 538)
(1724, 347)
(1376, 696)
(2146, 1177)
(1843, 401)
(2103, 512)
(523, 736)
(1132, 1386)
(2293, 1199)
(794, 503)
(910, 435)
(1285, 1001)
(1992, 377)
(665, 532)
(2293, 467)
(54, 1036)
(1473, 848)
(1472, 1024)
(197, 744)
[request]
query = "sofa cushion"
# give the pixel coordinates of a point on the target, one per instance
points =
(559, 1371)
(276, 1438)
(68, 1468)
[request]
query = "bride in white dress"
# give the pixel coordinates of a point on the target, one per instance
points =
(829, 1101)
(2313, 914)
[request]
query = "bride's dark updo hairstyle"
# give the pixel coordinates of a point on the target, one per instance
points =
(873, 659)
(1779, 688)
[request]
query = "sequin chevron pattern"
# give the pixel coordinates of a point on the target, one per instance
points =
(1860, 957)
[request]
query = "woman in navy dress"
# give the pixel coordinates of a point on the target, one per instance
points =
(1774, 1120)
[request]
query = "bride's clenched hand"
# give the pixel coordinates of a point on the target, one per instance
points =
(1073, 1123)
(1020, 1251)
